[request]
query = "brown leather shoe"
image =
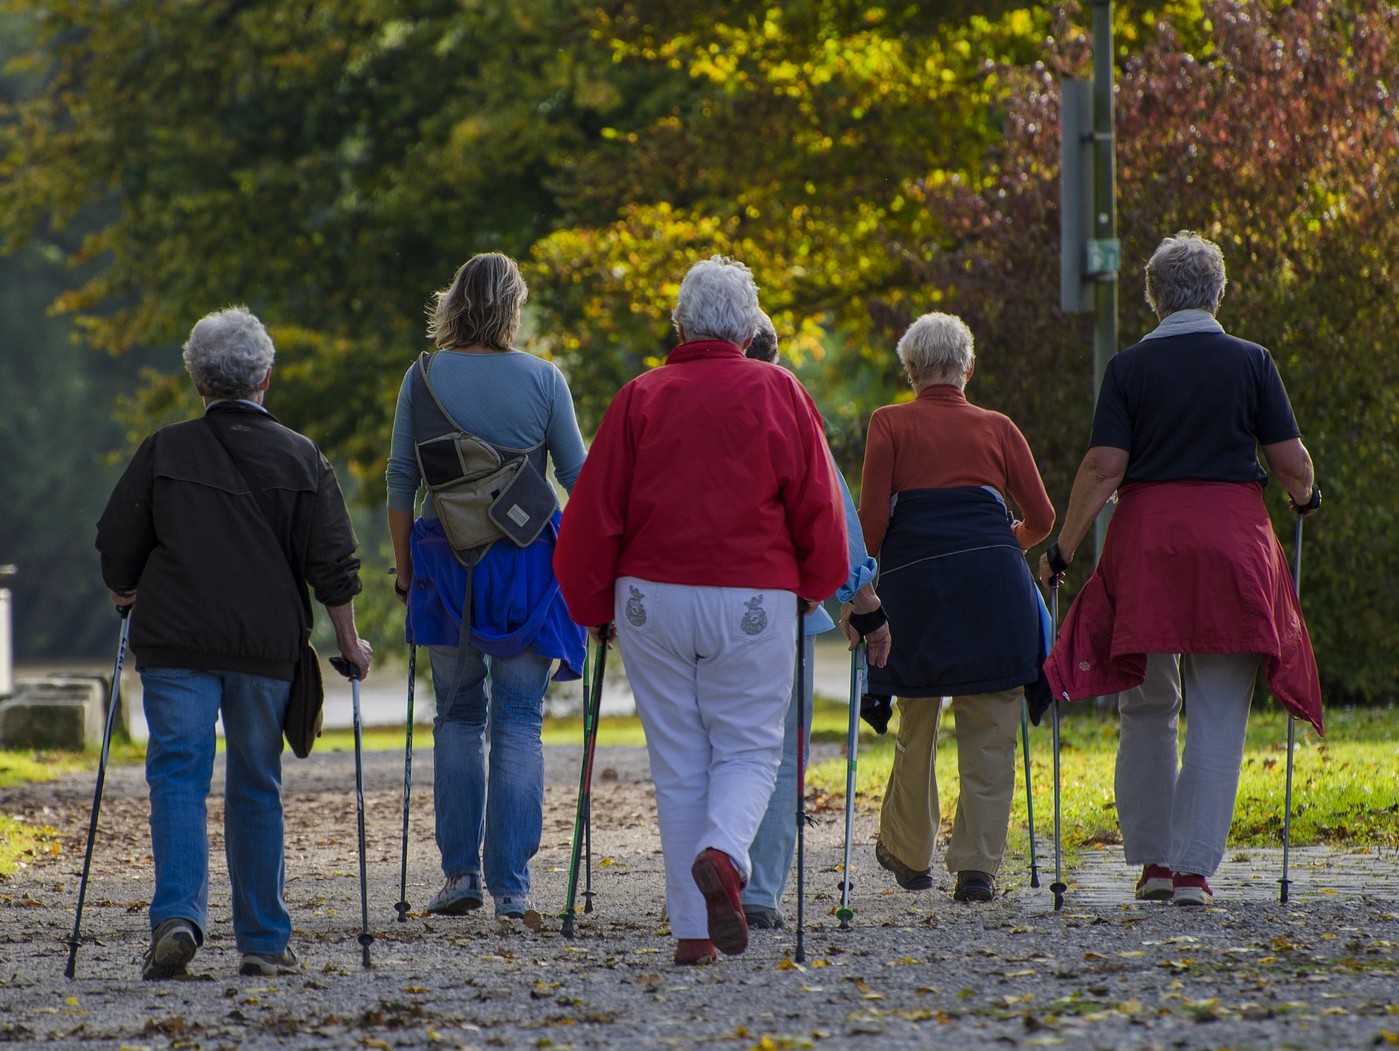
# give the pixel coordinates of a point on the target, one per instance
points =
(695, 952)
(718, 880)
(973, 885)
(907, 878)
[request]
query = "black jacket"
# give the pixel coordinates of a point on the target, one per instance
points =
(216, 591)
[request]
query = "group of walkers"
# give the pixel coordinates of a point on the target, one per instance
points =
(705, 527)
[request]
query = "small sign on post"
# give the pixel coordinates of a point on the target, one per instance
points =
(1102, 257)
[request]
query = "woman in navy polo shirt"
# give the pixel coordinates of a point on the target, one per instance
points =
(1192, 592)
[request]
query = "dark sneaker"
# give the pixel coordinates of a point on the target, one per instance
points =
(269, 964)
(907, 878)
(1190, 888)
(460, 894)
(519, 909)
(763, 917)
(173, 944)
(695, 952)
(1155, 884)
(974, 886)
(718, 880)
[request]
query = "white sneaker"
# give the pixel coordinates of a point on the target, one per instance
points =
(459, 895)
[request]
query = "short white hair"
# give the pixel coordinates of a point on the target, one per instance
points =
(1186, 272)
(718, 299)
(228, 353)
(938, 348)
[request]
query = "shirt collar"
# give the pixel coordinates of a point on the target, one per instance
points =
(942, 392)
(241, 404)
(703, 349)
(1183, 322)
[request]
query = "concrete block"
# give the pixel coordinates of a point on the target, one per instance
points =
(55, 714)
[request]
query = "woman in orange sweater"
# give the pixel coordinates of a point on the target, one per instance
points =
(966, 612)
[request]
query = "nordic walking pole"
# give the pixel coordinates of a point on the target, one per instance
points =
(852, 749)
(366, 939)
(1058, 886)
(1291, 727)
(402, 906)
(800, 955)
(1029, 796)
(585, 777)
(589, 734)
(125, 613)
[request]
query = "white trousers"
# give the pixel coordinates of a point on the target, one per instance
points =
(712, 671)
(1177, 813)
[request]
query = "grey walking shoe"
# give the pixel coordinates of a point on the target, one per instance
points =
(763, 917)
(173, 945)
(460, 894)
(269, 964)
(508, 909)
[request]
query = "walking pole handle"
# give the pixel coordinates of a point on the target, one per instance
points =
(345, 667)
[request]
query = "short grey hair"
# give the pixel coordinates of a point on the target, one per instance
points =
(483, 304)
(764, 345)
(938, 348)
(228, 353)
(1186, 272)
(718, 299)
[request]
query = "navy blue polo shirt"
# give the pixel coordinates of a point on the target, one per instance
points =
(1195, 405)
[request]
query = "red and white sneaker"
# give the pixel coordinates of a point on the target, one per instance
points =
(1155, 884)
(1191, 889)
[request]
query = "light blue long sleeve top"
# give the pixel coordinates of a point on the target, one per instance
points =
(862, 565)
(511, 398)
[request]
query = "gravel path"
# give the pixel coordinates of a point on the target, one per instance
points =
(913, 971)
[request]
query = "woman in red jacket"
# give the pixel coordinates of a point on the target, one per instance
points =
(1192, 589)
(706, 514)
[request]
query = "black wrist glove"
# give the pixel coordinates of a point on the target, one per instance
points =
(867, 623)
(1313, 502)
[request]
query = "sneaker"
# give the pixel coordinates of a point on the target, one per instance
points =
(460, 894)
(973, 885)
(1190, 888)
(695, 952)
(763, 917)
(269, 964)
(173, 944)
(718, 880)
(907, 878)
(1155, 884)
(519, 909)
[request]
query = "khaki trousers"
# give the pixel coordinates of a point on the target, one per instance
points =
(987, 725)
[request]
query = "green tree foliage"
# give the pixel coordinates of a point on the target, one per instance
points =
(328, 163)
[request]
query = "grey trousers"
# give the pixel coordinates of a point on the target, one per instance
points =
(1175, 810)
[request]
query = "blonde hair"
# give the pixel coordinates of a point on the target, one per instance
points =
(482, 305)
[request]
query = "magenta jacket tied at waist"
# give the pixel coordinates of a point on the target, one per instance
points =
(1188, 567)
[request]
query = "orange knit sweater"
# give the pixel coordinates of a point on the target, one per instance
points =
(938, 441)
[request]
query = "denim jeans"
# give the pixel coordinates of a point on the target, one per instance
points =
(182, 707)
(511, 806)
(773, 846)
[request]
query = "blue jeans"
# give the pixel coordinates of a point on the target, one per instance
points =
(511, 807)
(181, 709)
(773, 846)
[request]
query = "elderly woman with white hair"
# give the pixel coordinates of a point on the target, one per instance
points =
(964, 609)
(706, 515)
(1192, 590)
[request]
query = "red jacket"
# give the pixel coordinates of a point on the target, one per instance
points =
(713, 471)
(1188, 567)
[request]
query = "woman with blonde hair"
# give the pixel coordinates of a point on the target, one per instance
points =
(491, 612)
